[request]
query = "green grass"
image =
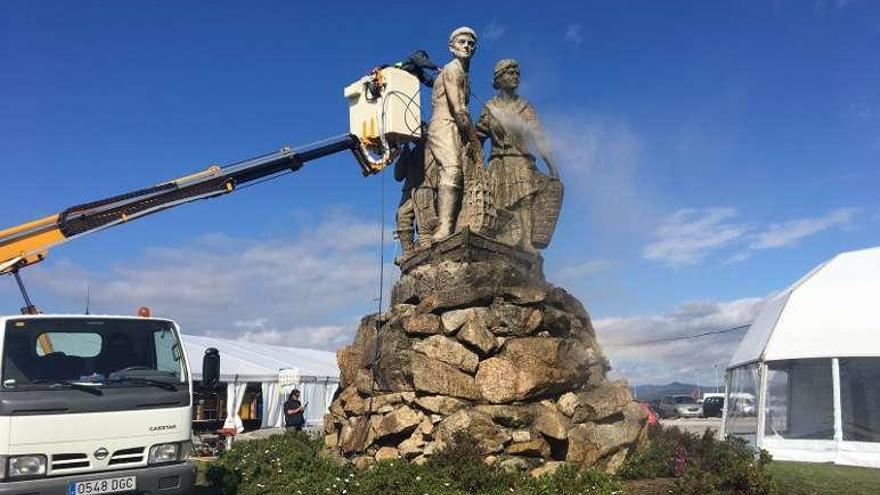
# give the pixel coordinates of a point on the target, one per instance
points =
(801, 478)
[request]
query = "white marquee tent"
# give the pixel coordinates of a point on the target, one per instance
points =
(277, 369)
(811, 362)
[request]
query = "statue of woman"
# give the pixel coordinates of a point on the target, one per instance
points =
(511, 124)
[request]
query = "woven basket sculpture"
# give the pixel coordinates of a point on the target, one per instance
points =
(546, 205)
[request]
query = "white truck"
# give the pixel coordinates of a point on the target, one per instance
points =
(95, 405)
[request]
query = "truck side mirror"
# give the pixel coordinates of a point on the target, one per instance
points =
(211, 368)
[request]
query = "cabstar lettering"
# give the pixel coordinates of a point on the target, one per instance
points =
(163, 427)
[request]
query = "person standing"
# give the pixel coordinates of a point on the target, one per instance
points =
(294, 420)
(409, 169)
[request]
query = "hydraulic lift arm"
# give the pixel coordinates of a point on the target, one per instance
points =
(384, 114)
(29, 243)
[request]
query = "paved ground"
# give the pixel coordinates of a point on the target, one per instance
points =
(694, 425)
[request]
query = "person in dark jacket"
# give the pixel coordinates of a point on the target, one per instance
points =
(293, 412)
(410, 169)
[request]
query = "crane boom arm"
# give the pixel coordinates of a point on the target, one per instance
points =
(29, 243)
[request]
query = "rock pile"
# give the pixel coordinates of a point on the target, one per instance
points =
(476, 340)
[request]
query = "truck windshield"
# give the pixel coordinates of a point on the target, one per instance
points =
(103, 352)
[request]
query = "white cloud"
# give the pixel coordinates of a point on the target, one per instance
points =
(787, 233)
(309, 289)
(688, 236)
(494, 31)
(686, 360)
(574, 34)
(580, 270)
(329, 337)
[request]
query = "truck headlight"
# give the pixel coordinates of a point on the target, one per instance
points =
(26, 465)
(163, 452)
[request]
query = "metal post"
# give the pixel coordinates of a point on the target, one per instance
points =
(725, 407)
(763, 371)
(835, 391)
(716, 377)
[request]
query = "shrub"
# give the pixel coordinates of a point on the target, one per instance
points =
(701, 463)
(293, 464)
(657, 459)
(289, 463)
(462, 461)
(571, 480)
(696, 482)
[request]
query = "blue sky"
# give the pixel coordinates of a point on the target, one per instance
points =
(712, 154)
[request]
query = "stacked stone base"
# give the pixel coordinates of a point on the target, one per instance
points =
(477, 341)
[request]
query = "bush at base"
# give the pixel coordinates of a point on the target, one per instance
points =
(293, 464)
(702, 464)
(278, 464)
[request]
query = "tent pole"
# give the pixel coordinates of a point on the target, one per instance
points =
(838, 413)
(726, 405)
(762, 400)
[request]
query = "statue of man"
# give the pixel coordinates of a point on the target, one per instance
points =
(511, 124)
(451, 126)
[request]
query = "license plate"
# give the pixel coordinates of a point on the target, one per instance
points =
(105, 485)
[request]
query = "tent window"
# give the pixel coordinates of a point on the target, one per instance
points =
(800, 400)
(742, 393)
(860, 399)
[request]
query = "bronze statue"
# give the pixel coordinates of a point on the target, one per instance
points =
(451, 127)
(511, 124)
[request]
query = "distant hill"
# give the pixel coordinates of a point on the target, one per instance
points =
(651, 392)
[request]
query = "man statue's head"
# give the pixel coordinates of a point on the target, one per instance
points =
(463, 42)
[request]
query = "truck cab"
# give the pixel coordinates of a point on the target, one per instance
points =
(94, 405)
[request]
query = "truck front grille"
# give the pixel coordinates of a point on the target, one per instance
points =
(169, 482)
(127, 456)
(69, 461)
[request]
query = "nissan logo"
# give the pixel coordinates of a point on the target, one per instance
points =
(101, 454)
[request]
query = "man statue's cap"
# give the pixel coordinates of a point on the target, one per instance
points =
(463, 30)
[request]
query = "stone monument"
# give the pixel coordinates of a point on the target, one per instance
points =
(475, 339)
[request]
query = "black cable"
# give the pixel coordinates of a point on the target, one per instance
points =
(673, 339)
(408, 102)
(376, 349)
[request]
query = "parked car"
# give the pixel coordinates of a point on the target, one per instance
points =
(679, 406)
(713, 407)
(743, 404)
